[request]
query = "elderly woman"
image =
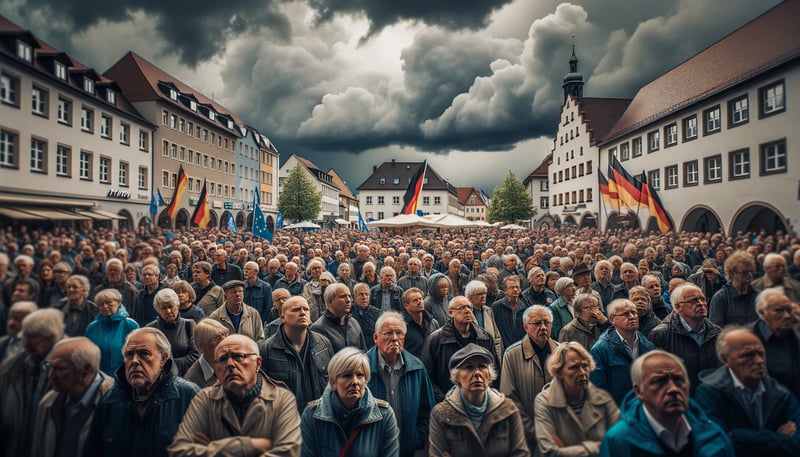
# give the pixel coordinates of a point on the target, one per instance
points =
(179, 331)
(347, 419)
(550, 279)
(109, 329)
(11, 342)
(572, 415)
(78, 310)
(588, 324)
(186, 306)
(474, 419)
(562, 308)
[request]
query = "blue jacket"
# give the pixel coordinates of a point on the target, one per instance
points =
(632, 436)
(416, 392)
(108, 333)
(613, 372)
(118, 429)
(395, 298)
(723, 404)
(561, 317)
(325, 431)
(259, 296)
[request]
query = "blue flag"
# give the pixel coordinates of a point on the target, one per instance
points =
(159, 198)
(232, 223)
(259, 221)
(361, 224)
(153, 203)
(279, 222)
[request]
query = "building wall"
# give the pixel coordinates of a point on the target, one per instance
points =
(382, 204)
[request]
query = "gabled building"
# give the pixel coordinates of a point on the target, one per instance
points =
(348, 204)
(256, 172)
(322, 181)
(73, 149)
(381, 195)
(537, 184)
(475, 203)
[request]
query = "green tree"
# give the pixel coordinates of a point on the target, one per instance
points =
(299, 199)
(510, 202)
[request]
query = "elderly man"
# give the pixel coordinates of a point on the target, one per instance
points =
(758, 413)
(387, 296)
(588, 324)
(337, 323)
(65, 413)
(113, 279)
(508, 311)
(476, 292)
(602, 283)
(257, 293)
(291, 280)
(420, 323)
(735, 302)
(458, 278)
(366, 314)
(273, 321)
(652, 284)
(659, 418)
(208, 296)
(11, 342)
(401, 379)
(140, 414)
(524, 372)
(413, 278)
(775, 276)
(207, 335)
(629, 275)
(459, 330)
(143, 311)
(247, 413)
(296, 356)
(537, 293)
(688, 333)
(312, 289)
(273, 272)
(224, 271)
(617, 348)
(23, 380)
(647, 318)
(775, 328)
(236, 315)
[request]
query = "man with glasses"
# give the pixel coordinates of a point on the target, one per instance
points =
(224, 271)
(459, 330)
(617, 348)
(364, 312)
(245, 413)
(735, 302)
(401, 379)
(524, 372)
(775, 328)
(58, 290)
(236, 315)
(509, 309)
(775, 276)
(688, 333)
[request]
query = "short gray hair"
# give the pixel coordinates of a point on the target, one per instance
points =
(617, 304)
(208, 329)
(87, 286)
(332, 290)
(327, 276)
(562, 284)
(162, 343)
(455, 370)
(390, 316)
(164, 297)
(109, 293)
(636, 368)
(761, 298)
(526, 314)
(83, 352)
(583, 300)
(390, 270)
(475, 287)
(347, 360)
(45, 323)
(676, 296)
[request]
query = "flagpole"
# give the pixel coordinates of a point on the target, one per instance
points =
(639, 202)
(602, 202)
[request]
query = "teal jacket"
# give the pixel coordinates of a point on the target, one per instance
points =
(108, 333)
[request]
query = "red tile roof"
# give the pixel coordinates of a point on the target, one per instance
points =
(601, 114)
(344, 191)
(541, 170)
(765, 43)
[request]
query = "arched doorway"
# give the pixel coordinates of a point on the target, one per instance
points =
(588, 221)
(569, 221)
(759, 216)
(701, 219)
(182, 219)
(240, 220)
(622, 221)
(127, 222)
(164, 221)
(250, 219)
(271, 223)
(223, 220)
(213, 221)
(144, 222)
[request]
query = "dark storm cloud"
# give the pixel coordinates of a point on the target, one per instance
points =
(451, 14)
(195, 30)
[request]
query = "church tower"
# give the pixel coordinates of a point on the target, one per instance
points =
(573, 81)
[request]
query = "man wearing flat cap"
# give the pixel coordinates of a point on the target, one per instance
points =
(236, 315)
(582, 276)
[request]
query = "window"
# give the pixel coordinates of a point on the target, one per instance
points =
(143, 140)
(654, 179)
(173, 94)
(173, 151)
(380, 200)
(111, 96)
(773, 157)
(738, 111)
(173, 179)
(396, 181)
(653, 141)
(544, 203)
(672, 176)
(437, 201)
(105, 126)
(86, 165)
(637, 147)
(143, 178)
(173, 121)
(190, 128)
(713, 169)
(213, 138)
(671, 134)
(690, 128)
(123, 174)
(580, 196)
(205, 135)
(8, 149)
(181, 125)
(164, 178)
(9, 89)
(38, 155)
(63, 159)
(691, 174)
(88, 85)
(39, 99)
(544, 186)
(426, 201)
(396, 200)
(24, 51)
(711, 123)
(382, 181)
(104, 172)
(164, 117)
(64, 111)
(60, 70)
(740, 164)
(165, 148)
(87, 120)
(625, 151)
(772, 99)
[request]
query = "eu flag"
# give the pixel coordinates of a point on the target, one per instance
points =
(259, 221)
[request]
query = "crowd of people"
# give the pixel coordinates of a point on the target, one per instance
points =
(469, 342)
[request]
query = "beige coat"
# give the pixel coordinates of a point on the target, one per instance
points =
(581, 435)
(272, 415)
(490, 326)
(578, 330)
(16, 397)
(250, 325)
(50, 419)
(523, 376)
(500, 432)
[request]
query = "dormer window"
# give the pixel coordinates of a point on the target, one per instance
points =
(212, 115)
(111, 97)
(61, 71)
(193, 105)
(230, 124)
(173, 94)
(24, 51)
(396, 181)
(88, 84)
(382, 181)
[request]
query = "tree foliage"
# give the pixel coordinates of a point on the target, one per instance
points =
(299, 199)
(511, 202)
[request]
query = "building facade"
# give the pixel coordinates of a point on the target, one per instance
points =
(537, 184)
(348, 204)
(475, 203)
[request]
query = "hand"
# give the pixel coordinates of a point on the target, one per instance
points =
(261, 445)
(788, 429)
(201, 438)
(557, 441)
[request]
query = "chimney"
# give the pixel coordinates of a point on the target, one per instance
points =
(392, 161)
(374, 168)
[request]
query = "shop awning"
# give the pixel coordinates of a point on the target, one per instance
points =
(53, 214)
(15, 213)
(105, 213)
(99, 214)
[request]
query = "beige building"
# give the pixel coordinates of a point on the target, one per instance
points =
(475, 203)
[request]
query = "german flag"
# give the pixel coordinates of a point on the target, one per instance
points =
(610, 197)
(654, 206)
(180, 188)
(412, 195)
(202, 212)
(628, 188)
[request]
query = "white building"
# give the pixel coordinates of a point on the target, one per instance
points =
(537, 184)
(322, 181)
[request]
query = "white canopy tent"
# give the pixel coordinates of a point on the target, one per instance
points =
(512, 227)
(302, 225)
(401, 220)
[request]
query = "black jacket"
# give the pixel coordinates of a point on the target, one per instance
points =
(349, 334)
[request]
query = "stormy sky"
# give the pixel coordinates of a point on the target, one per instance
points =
(474, 86)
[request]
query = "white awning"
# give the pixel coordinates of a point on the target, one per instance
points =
(53, 214)
(100, 214)
(15, 213)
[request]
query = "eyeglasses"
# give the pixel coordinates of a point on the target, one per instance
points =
(540, 323)
(695, 300)
(393, 333)
(238, 357)
(782, 310)
(629, 313)
(462, 308)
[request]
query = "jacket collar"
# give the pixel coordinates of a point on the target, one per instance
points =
(527, 347)
(324, 410)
